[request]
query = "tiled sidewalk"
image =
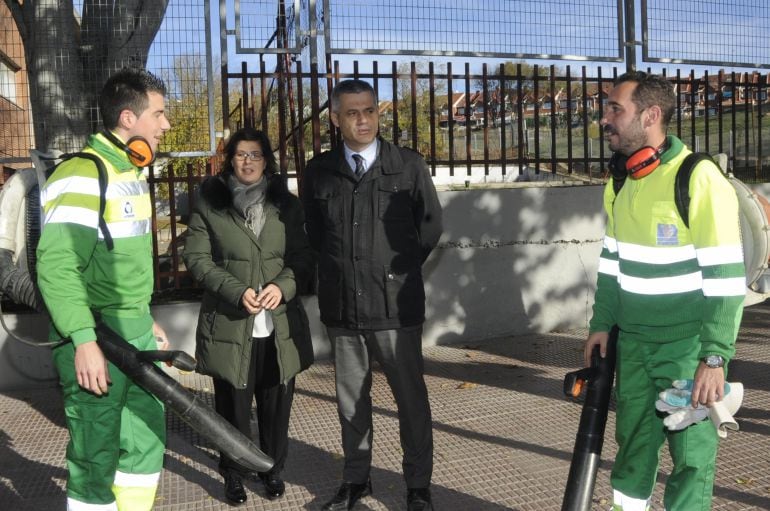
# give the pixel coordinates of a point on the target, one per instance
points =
(503, 436)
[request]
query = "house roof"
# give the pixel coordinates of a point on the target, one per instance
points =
(458, 98)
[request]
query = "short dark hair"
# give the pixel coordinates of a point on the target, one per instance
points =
(651, 90)
(127, 89)
(249, 135)
(350, 87)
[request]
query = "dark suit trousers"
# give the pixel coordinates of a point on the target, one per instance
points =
(273, 406)
(399, 353)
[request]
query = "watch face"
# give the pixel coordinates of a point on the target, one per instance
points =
(714, 361)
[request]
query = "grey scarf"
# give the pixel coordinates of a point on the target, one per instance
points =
(249, 201)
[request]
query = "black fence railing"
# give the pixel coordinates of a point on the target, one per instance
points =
(515, 117)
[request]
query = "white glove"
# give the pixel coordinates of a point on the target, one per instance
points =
(680, 393)
(681, 416)
(676, 402)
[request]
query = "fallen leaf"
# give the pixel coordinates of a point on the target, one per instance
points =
(467, 385)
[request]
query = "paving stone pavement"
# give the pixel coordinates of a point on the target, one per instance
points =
(503, 436)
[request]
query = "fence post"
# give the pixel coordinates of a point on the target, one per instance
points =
(630, 22)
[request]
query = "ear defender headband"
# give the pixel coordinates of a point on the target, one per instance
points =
(137, 148)
(645, 160)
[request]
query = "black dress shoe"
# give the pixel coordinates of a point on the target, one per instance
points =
(234, 492)
(274, 485)
(418, 499)
(348, 495)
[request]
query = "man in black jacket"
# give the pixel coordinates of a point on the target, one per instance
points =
(373, 216)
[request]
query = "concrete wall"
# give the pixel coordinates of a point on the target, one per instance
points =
(511, 261)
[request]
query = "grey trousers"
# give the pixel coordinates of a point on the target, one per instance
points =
(399, 353)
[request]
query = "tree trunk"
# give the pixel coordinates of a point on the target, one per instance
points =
(68, 60)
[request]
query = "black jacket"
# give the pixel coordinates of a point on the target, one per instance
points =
(372, 237)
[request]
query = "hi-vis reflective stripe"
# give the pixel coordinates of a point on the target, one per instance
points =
(73, 215)
(90, 186)
(610, 244)
(735, 286)
(655, 255)
(90, 218)
(127, 229)
(662, 285)
(76, 505)
(142, 480)
(609, 267)
(123, 189)
(622, 502)
(77, 184)
(720, 255)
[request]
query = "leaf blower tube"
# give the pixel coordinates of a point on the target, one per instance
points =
(189, 407)
(586, 455)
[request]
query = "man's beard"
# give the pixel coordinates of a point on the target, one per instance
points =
(632, 140)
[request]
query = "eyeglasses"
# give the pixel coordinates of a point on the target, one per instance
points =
(253, 156)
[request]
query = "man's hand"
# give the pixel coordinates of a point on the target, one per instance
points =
(596, 338)
(270, 297)
(91, 368)
(708, 385)
(160, 336)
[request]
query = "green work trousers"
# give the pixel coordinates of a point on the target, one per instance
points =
(644, 369)
(122, 431)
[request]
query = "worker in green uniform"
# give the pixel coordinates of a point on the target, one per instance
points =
(675, 292)
(96, 264)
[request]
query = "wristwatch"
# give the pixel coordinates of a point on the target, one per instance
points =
(713, 361)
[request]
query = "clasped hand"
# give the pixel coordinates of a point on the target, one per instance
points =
(268, 298)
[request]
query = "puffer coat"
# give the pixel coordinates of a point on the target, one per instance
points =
(226, 258)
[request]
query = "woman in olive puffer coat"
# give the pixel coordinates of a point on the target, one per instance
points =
(246, 246)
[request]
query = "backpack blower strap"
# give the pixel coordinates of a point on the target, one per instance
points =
(682, 184)
(102, 175)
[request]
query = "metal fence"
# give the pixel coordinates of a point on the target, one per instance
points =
(271, 64)
(708, 32)
(587, 30)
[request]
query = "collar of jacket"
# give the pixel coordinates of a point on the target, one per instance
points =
(676, 147)
(114, 155)
(217, 194)
(388, 160)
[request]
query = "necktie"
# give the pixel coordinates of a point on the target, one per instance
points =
(360, 169)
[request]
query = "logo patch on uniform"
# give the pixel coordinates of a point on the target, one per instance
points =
(128, 210)
(668, 234)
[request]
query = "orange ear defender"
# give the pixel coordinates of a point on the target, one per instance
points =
(645, 160)
(137, 148)
(139, 151)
